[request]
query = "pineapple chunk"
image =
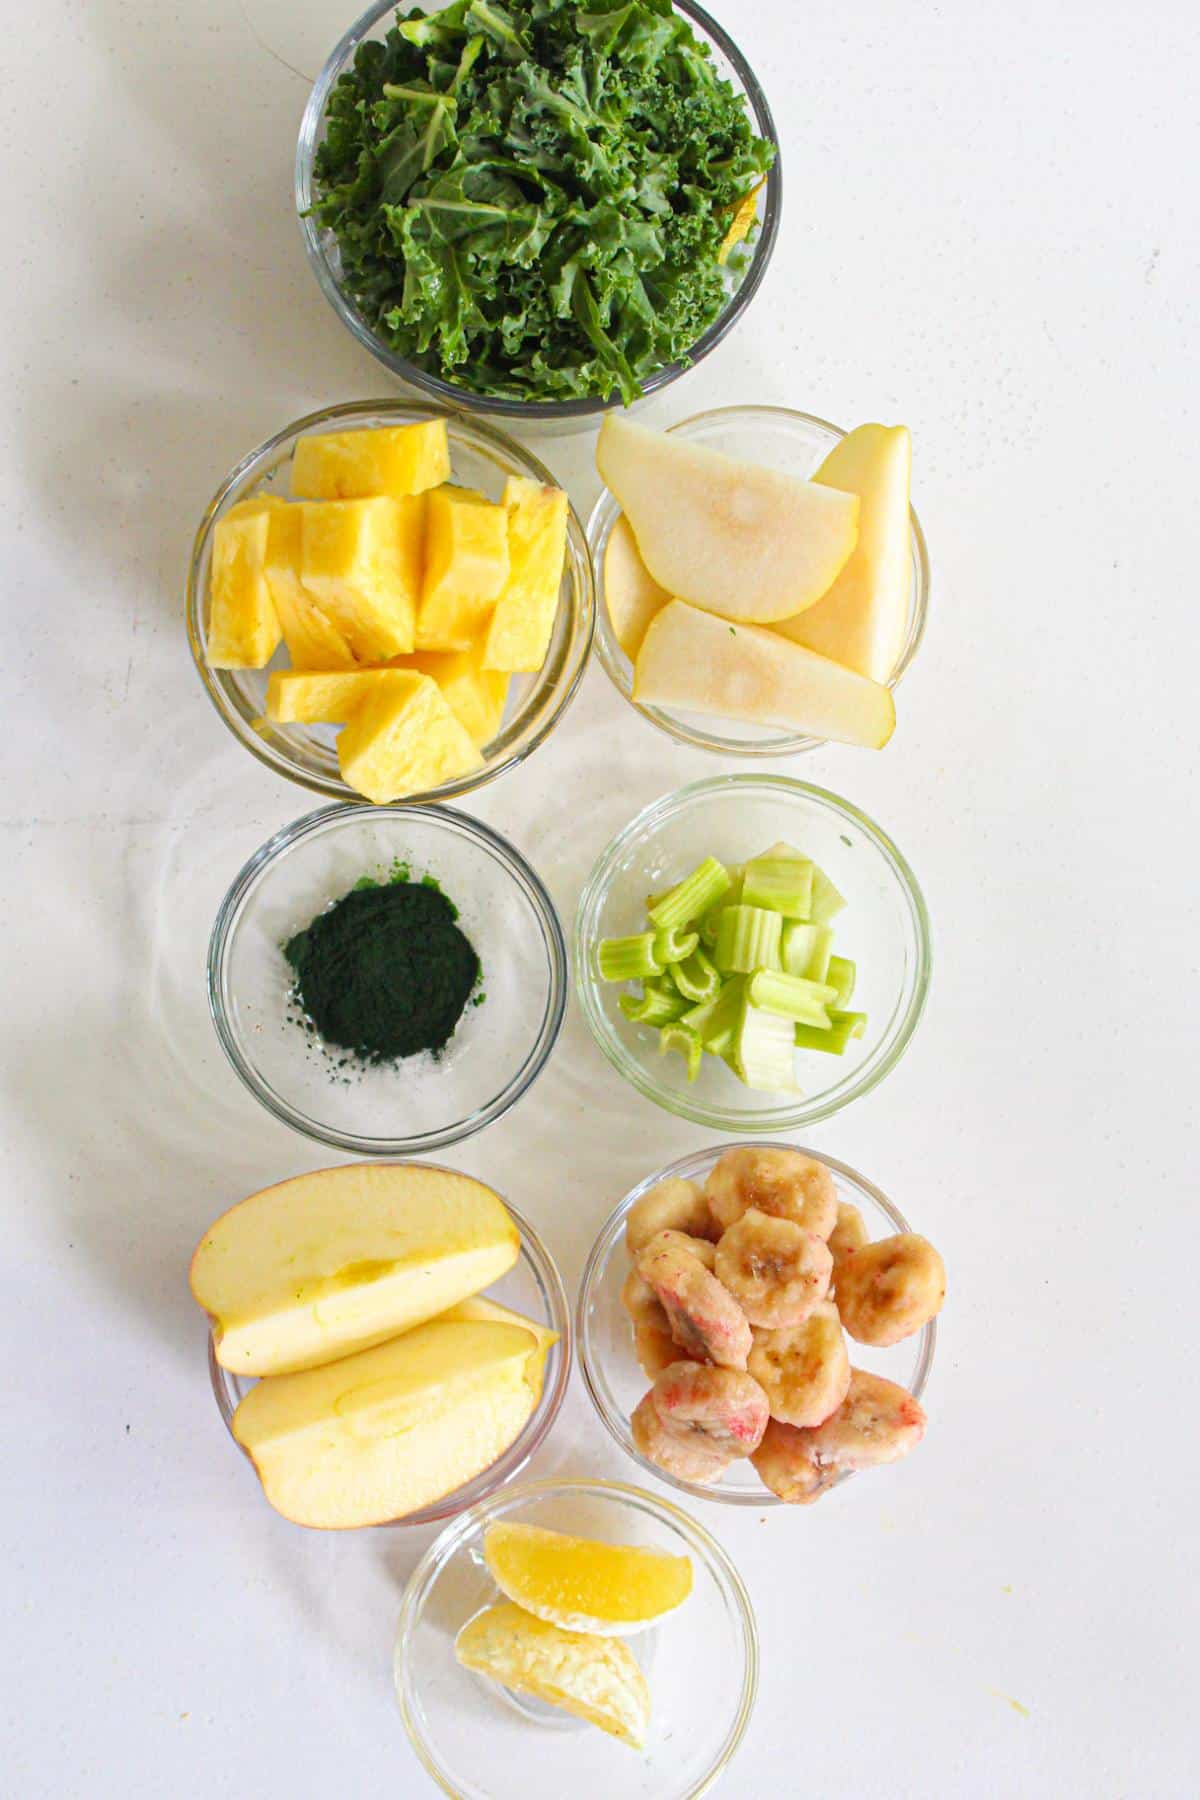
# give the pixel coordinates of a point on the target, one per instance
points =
(243, 626)
(361, 559)
(312, 638)
(475, 695)
(522, 624)
(358, 465)
(312, 696)
(404, 739)
(466, 565)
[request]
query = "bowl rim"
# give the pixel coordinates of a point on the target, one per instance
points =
(806, 1110)
(607, 1242)
(518, 869)
(404, 411)
(537, 1427)
(607, 511)
(716, 1558)
(494, 405)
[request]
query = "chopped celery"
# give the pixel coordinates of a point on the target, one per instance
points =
(805, 950)
(696, 977)
(747, 939)
(764, 1051)
(781, 884)
(842, 1027)
(674, 946)
(687, 1042)
(627, 958)
(791, 996)
(656, 1006)
(827, 903)
(732, 896)
(842, 975)
(691, 898)
(716, 1020)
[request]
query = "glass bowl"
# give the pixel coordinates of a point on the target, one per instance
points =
(794, 443)
(421, 1103)
(884, 928)
(533, 1287)
(323, 254)
(482, 458)
(605, 1338)
(480, 1741)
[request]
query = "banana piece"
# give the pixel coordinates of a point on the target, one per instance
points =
(776, 1271)
(784, 1183)
(723, 1408)
(706, 1321)
(686, 1460)
(672, 1205)
(891, 1288)
(804, 1371)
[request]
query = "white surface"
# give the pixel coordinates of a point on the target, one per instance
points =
(990, 233)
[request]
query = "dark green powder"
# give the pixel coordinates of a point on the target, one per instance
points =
(386, 972)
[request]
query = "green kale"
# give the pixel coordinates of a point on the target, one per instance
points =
(529, 197)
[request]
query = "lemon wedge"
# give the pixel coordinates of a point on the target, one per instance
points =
(611, 1590)
(591, 1677)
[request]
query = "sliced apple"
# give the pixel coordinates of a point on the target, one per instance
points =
(329, 1263)
(863, 619)
(630, 590)
(478, 1309)
(691, 661)
(739, 540)
(382, 1433)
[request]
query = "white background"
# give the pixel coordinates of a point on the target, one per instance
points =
(990, 233)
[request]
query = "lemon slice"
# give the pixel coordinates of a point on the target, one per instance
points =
(609, 1589)
(592, 1677)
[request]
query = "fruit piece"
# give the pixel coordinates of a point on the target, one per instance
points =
(595, 1678)
(670, 1205)
(377, 1435)
(725, 1408)
(475, 695)
(703, 1249)
(404, 739)
(891, 1288)
(466, 565)
(329, 1263)
(479, 1310)
(849, 1233)
(522, 625)
(776, 1271)
(361, 560)
(687, 1459)
(785, 1464)
(311, 696)
(640, 1301)
(243, 626)
(630, 590)
(691, 661)
(358, 465)
(878, 1422)
(744, 217)
(312, 638)
(706, 1321)
(804, 1371)
(653, 1345)
(862, 621)
(784, 1183)
(742, 541)
(612, 1590)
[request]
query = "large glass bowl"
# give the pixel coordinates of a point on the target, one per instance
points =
(420, 1103)
(884, 929)
(482, 457)
(480, 1741)
(532, 1287)
(793, 443)
(605, 1336)
(323, 255)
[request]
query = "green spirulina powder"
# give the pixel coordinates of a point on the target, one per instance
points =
(386, 972)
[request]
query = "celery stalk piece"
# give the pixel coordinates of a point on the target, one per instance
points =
(628, 958)
(687, 1042)
(791, 996)
(764, 1051)
(842, 1027)
(716, 1019)
(691, 897)
(732, 896)
(796, 946)
(842, 974)
(748, 938)
(697, 977)
(780, 884)
(827, 903)
(653, 1007)
(674, 946)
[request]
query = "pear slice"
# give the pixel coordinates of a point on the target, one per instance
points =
(691, 661)
(631, 593)
(739, 540)
(863, 620)
(596, 1678)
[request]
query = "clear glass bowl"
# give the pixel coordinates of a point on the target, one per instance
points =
(480, 1741)
(884, 928)
(533, 1287)
(421, 1103)
(322, 249)
(482, 457)
(794, 443)
(605, 1337)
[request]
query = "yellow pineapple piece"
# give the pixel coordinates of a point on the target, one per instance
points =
(466, 565)
(475, 695)
(243, 626)
(312, 638)
(361, 560)
(610, 1589)
(523, 622)
(403, 739)
(357, 465)
(312, 696)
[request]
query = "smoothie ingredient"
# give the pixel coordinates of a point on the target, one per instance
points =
(777, 1272)
(725, 1408)
(705, 1320)
(384, 459)
(804, 1370)
(631, 593)
(595, 1678)
(404, 739)
(878, 1422)
(610, 1590)
(304, 696)
(522, 623)
(671, 1205)
(243, 630)
(361, 562)
(849, 1233)
(889, 1289)
(466, 565)
(785, 1184)
(688, 1459)
(313, 640)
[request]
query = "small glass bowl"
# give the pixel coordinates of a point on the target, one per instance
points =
(421, 1103)
(481, 1741)
(532, 1287)
(794, 443)
(605, 1337)
(482, 458)
(884, 928)
(325, 259)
